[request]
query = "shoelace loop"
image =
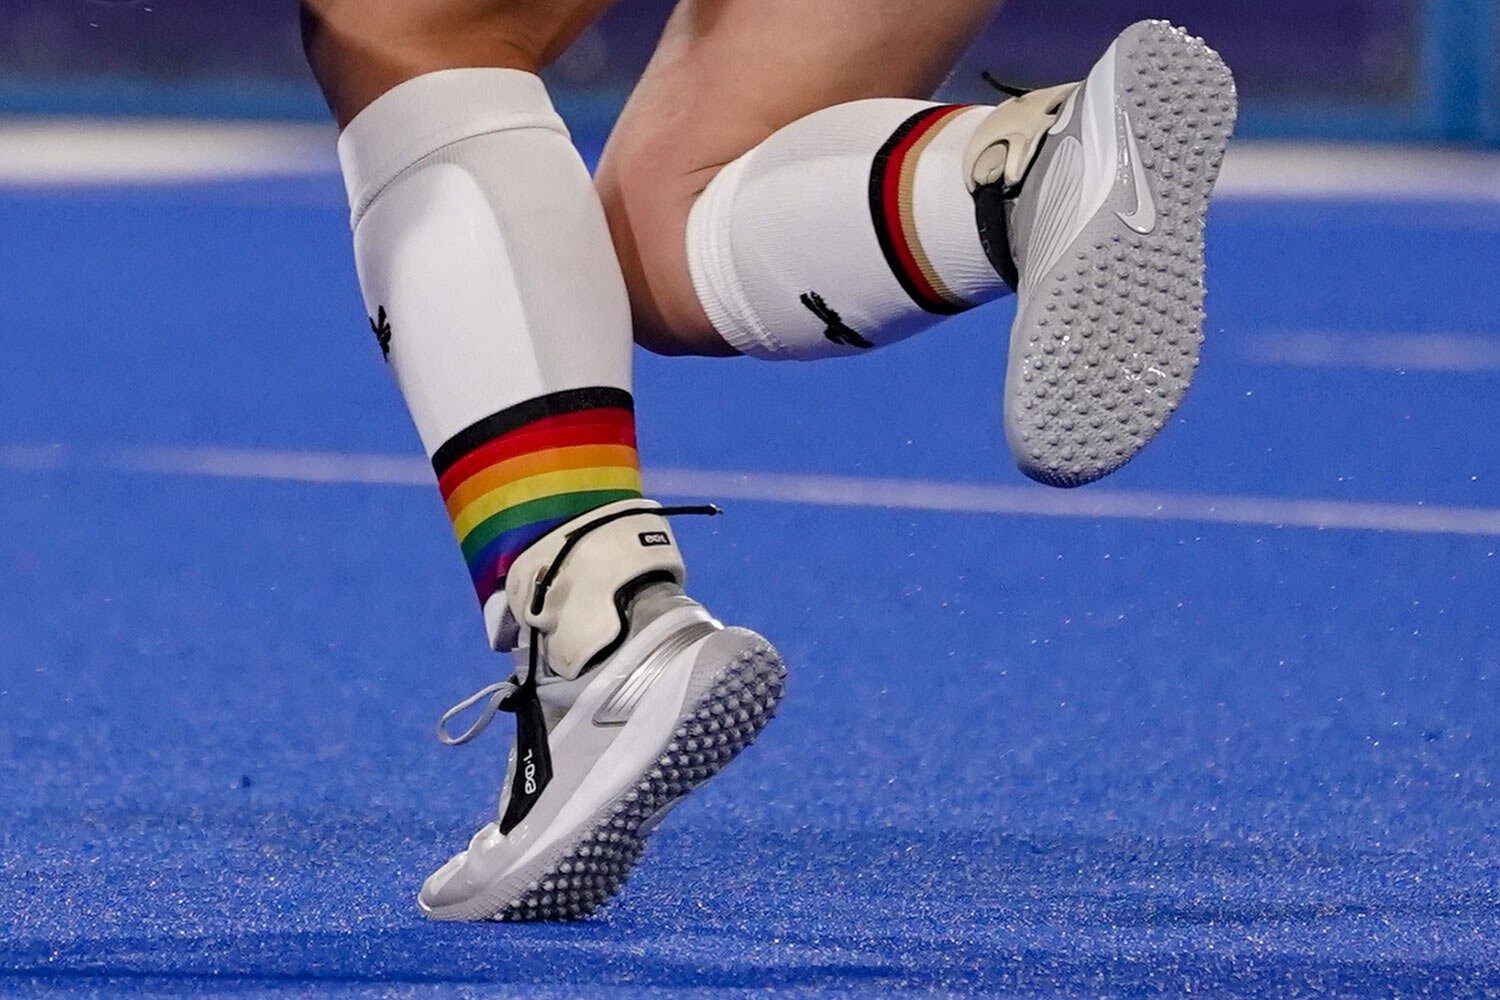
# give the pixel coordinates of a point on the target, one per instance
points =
(497, 693)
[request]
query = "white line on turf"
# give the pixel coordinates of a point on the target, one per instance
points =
(300, 466)
(1307, 170)
(817, 490)
(113, 151)
(1431, 352)
(73, 151)
(1092, 504)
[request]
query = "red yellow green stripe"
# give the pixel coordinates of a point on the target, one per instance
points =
(512, 477)
(476, 497)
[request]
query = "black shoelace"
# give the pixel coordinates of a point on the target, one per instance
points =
(1004, 88)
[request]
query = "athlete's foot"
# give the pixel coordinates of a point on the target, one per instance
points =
(628, 695)
(1101, 227)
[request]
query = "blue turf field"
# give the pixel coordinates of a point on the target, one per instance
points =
(1020, 756)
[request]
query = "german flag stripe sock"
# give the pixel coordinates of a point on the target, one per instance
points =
(892, 185)
(845, 230)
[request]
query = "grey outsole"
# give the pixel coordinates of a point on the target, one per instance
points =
(1105, 349)
(731, 707)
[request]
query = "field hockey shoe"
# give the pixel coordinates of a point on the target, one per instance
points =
(1091, 199)
(627, 696)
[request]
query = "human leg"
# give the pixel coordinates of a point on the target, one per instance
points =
(728, 75)
(494, 294)
(864, 222)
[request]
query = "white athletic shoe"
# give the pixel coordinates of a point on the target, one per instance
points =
(1091, 199)
(628, 696)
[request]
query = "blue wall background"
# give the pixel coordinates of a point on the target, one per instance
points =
(1371, 69)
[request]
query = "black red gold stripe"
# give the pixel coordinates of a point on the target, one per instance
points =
(892, 180)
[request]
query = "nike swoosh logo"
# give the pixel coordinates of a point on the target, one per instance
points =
(1143, 218)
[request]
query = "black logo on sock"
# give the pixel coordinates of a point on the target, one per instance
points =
(837, 331)
(381, 327)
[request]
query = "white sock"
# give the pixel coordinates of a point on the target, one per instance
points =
(492, 285)
(847, 229)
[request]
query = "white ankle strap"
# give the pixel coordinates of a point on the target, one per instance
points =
(579, 616)
(1006, 142)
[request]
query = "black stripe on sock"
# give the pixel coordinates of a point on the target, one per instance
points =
(878, 215)
(554, 404)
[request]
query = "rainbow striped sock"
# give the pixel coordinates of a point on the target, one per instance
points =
(515, 475)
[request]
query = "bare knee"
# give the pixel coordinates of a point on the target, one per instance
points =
(647, 197)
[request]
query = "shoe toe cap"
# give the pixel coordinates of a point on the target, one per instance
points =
(464, 875)
(442, 889)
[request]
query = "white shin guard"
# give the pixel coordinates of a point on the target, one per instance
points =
(848, 229)
(491, 281)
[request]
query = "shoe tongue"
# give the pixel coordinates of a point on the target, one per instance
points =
(532, 769)
(507, 636)
(520, 656)
(555, 694)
